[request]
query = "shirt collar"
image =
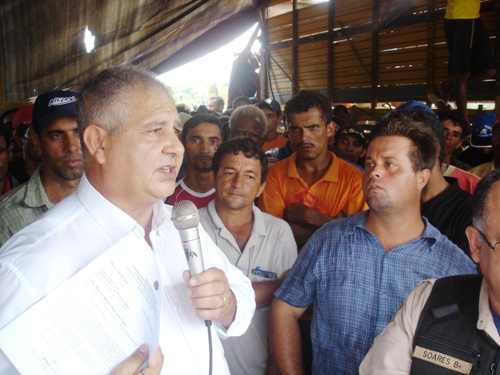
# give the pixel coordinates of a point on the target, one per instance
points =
(258, 226)
(430, 232)
(292, 168)
(359, 221)
(160, 215)
(212, 212)
(485, 320)
(356, 221)
(331, 174)
(35, 194)
(113, 220)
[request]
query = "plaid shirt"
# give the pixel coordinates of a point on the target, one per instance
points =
(357, 287)
(22, 206)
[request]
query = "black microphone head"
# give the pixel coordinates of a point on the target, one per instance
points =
(185, 215)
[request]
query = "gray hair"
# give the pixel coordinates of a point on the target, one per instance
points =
(250, 111)
(480, 198)
(106, 99)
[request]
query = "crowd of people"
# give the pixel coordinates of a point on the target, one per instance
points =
(326, 223)
(327, 248)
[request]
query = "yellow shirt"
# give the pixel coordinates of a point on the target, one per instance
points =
(462, 9)
(483, 169)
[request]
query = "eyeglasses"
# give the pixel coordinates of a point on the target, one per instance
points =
(488, 243)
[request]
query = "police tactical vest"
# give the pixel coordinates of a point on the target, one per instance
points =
(447, 341)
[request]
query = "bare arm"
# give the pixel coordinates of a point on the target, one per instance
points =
(284, 337)
(305, 220)
(299, 213)
(264, 291)
(248, 47)
(211, 296)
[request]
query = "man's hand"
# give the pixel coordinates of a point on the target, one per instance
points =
(132, 363)
(211, 296)
(304, 221)
(299, 213)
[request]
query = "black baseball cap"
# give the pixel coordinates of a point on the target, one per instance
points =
(52, 105)
(272, 104)
(351, 130)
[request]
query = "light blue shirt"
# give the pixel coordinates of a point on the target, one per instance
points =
(357, 287)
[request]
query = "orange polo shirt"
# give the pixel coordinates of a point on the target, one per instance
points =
(339, 189)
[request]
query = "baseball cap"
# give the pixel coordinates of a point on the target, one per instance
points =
(23, 116)
(482, 130)
(52, 105)
(350, 129)
(272, 104)
(414, 104)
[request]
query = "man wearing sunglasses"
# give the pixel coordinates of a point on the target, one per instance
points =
(451, 323)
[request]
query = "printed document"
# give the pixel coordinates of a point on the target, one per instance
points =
(93, 321)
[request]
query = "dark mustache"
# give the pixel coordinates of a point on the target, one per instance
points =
(204, 157)
(73, 156)
(305, 144)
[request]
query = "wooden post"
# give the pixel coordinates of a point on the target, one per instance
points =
(431, 50)
(331, 23)
(295, 52)
(497, 51)
(1, 76)
(264, 58)
(375, 55)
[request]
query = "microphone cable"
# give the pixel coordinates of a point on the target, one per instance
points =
(208, 324)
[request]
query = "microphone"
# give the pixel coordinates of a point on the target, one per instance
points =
(186, 218)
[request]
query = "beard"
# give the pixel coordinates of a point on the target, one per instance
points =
(203, 169)
(203, 166)
(69, 174)
(64, 172)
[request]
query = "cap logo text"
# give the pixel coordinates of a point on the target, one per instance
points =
(62, 100)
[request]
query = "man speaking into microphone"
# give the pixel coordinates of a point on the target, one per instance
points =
(129, 126)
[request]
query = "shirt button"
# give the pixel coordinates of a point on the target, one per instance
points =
(384, 296)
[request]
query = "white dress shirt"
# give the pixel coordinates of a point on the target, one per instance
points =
(84, 225)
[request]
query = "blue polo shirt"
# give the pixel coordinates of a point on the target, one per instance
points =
(357, 287)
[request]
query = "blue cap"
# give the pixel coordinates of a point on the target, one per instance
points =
(413, 104)
(52, 105)
(482, 130)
